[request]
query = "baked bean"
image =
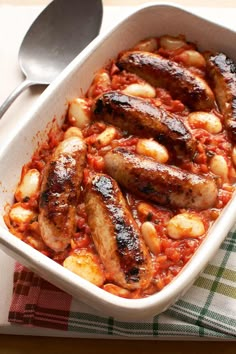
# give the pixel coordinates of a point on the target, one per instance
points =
(147, 45)
(79, 113)
(192, 58)
(151, 237)
(106, 137)
(101, 83)
(36, 243)
(219, 167)
(84, 264)
(151, 148)
(116, 290)
(171, 43)
(185, 225)
(234, 155)
(208, 121)
(20, 215)
(140, 90)
(29, 185)
(73, 131)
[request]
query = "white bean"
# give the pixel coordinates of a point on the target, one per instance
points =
(185, 225)
(101, 83)
(145, 210)
(84, 264)
(152, 149)
(36, 243)
(106, 137)
(192, 58)
(29, 185)
(73, 131)
(140, 90)
(234, 155)
(79, 113)
(219, 167)
(208, 121)
(147, 45)
(151, 237)
(117, 290)
(171, 43)
(20, 215)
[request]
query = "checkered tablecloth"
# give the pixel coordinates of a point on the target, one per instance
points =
(207, 310)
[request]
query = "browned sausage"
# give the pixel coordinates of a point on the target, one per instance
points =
(59, 194)
(140, 117)
(182, 84)
(166, 185)
(116, 235)
(222, 74)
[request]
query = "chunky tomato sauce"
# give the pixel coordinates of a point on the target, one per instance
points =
(214, 155)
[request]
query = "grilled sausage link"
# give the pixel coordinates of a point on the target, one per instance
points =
(166, 185)
(116, 235)
(222, 74)
(178, 80)
(140, 117)
(59, 194)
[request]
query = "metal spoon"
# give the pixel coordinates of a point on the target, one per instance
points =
(57, 35)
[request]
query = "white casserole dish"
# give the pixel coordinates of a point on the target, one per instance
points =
(17, 148)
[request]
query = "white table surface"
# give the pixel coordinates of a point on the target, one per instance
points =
(14, 22)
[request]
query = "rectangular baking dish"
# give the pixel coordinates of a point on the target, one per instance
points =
(18, 145)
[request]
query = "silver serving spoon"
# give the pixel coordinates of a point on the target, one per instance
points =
(57, 35)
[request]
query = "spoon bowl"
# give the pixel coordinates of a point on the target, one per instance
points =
(55, 38)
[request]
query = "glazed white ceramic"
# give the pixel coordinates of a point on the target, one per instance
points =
(17, 147)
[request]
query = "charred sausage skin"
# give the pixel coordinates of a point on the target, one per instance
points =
(140, 117)
(116, 235)
(222, 75)
(59, 193)
(163, 184)
(182, 84)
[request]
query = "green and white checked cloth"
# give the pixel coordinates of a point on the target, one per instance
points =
(207, 310)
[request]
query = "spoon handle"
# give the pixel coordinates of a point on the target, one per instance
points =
(15, 93)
